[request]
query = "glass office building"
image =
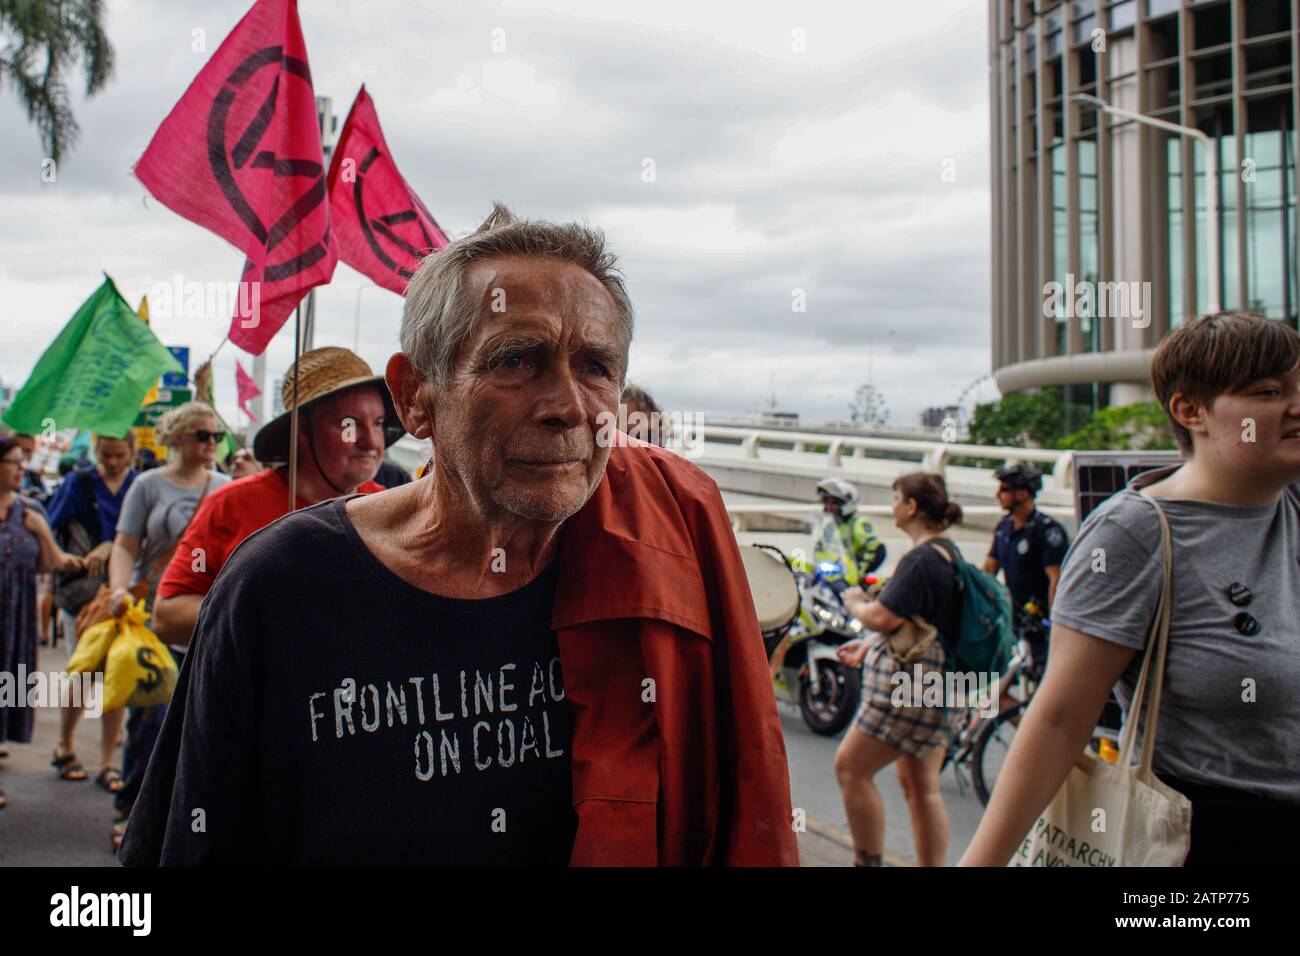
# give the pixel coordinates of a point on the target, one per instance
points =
(1120, 214)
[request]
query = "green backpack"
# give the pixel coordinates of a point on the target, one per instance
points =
(987, 641)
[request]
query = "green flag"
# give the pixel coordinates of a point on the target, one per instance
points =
(96, 372)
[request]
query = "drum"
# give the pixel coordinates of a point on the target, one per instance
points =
(773, 586)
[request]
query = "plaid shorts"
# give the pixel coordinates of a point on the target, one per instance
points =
(910, 730)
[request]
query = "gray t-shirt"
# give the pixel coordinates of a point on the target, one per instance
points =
(157, 511)
(1230, 715)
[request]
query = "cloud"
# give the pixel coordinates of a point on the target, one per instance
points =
(775, 170)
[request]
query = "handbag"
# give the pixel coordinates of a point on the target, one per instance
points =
(75, 589)
(97, 609)
(1120, 814)
(910, 639)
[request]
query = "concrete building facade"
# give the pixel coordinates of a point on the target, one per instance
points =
(1095, 254)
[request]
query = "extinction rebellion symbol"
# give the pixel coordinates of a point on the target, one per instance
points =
(385, 225)
(227, 159)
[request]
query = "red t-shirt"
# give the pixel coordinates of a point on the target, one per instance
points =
(226, 517)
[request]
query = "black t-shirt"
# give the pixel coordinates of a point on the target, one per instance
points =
(330, 712)
(925, 583)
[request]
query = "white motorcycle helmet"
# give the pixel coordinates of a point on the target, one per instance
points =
(839, 490)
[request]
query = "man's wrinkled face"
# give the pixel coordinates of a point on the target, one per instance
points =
(348, 432)
(517, 424)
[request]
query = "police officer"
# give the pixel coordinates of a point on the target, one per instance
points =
(1028, 546)
(844, 535)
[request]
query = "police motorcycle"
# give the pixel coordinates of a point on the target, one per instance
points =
(803, 603)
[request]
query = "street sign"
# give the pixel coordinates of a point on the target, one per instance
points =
(168, 398)
(178, 379)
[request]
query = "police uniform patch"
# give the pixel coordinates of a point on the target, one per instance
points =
(1022, 546)
(1054, 537)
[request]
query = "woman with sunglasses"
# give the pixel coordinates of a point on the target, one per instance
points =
(155, 513)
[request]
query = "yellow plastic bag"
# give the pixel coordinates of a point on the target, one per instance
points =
(139, 670)
(92, 650)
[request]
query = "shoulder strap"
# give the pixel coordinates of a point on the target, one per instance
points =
(86, 481)
(1157, 649)
(952, 555)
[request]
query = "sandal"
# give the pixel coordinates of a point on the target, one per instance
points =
(110, 779)
(119, 831)
(68, 767)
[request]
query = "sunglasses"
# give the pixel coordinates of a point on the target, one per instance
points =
(204, 436)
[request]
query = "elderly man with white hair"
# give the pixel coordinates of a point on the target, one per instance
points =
(544, 652)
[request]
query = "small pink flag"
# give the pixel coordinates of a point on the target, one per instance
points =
(382, 228)
(246, 389)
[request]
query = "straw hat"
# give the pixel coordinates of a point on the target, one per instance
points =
(324, 372)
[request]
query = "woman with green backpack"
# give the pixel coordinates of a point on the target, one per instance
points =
(916, 616)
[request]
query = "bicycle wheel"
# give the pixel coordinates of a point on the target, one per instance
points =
(989, 752)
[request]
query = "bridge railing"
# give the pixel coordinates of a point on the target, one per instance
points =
(747, 517)
(835, 452)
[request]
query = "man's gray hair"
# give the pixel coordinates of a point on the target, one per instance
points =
(436, 319)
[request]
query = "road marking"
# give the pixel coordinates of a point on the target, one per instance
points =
(836, 835)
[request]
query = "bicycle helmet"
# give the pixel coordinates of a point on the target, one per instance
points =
(1020, 475)
(841, 491)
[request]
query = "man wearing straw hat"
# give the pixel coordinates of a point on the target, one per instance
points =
(346, 421)
(543, 652)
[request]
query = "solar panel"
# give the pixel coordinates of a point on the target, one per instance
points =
(1099, 474)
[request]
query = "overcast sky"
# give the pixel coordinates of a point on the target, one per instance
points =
(775, 169)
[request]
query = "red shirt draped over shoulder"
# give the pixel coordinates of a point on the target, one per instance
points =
(678, 755)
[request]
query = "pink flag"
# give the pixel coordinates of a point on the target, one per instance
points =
(240, 154)
(246, 390)
(382, 227)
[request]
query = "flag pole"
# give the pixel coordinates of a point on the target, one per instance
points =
(218, 348)
(293, 414)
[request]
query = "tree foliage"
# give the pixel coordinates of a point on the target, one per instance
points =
(1044, 420)
(1138, 427)
(40, 42)
(1039, 420)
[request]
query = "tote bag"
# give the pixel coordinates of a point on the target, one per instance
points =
(1120, 814)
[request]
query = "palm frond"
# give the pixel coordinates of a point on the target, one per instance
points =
(40, 42)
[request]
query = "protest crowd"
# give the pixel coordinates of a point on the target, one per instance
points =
(536, 558)
(543, 647)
